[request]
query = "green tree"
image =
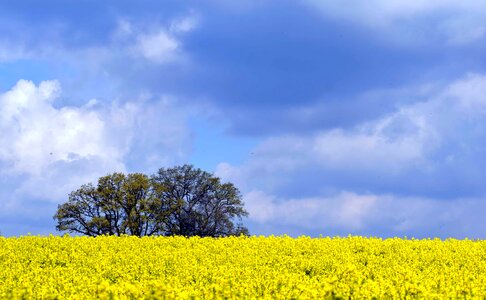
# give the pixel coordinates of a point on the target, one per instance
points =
(203, 206)
(118, 205)
(175, 201)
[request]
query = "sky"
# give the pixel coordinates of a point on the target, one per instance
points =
(331, 117)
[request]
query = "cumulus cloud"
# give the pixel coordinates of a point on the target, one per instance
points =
(424, 148)
(35, 133)
(346, 210)
(158, 47)
(50, 143)
(55, 149)
(48, 150)
(409, 137)
(367, 214)
(156, 43)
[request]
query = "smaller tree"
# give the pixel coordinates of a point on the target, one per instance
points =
(118, 205)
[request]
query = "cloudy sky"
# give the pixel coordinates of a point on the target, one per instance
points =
(331, 117)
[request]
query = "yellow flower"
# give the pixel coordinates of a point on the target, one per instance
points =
(240, 268)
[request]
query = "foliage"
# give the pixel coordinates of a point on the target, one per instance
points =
(207, 207)
(175, 201)
(240, 268)
(118, 205)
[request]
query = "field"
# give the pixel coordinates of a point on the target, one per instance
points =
(240, 268)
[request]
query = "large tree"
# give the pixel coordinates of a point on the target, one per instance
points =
(206, 207)
(175, 201)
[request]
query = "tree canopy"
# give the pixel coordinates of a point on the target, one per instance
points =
(175, 201)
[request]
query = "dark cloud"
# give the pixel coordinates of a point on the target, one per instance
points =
(261, 66)
(258, 64)
(416, 171)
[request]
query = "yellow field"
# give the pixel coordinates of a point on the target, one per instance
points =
(234, 268)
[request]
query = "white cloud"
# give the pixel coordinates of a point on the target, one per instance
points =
(348, 212)
(35, 133)
(57, 149)
(47, 150)
(159, 47)
(469, 94)
(183, 25)
(123, 29)
(392, 144)
(158, 44)
(435, 143)
(453, 21)
(11, 52)
(408, 138)
(371, 143)
(160, 133)
(386, 11)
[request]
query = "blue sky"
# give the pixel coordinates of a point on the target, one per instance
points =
(331, 117)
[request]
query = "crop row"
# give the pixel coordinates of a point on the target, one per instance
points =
(240, 268)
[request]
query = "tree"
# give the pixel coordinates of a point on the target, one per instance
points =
(176, 201)
(118, 205)
(204, 205)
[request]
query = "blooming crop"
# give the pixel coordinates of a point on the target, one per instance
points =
(240, 268)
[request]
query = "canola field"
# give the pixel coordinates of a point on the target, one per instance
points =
(240, 268)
